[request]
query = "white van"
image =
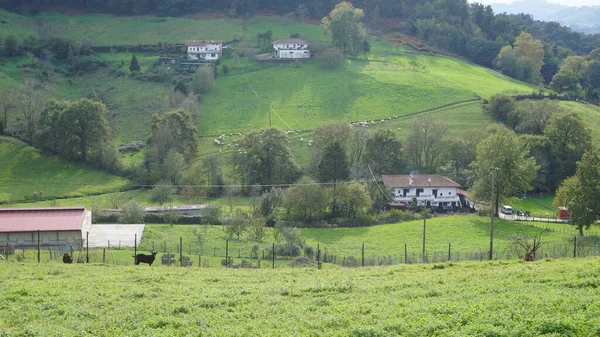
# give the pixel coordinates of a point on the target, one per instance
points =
(507, 210)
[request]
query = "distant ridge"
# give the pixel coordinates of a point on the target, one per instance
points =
(584, 19)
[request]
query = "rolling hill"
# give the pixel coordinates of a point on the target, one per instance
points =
(24, 171)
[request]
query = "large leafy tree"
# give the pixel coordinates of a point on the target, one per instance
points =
(502, 152)
(384, 153)
(263, 158)
(334, 164)
(306, 200)
(75, 129)
(344, 25)
(569, 138)
(581, 192)
(426, 144)
(524, 60)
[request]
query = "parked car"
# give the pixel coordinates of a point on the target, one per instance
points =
(507, 210)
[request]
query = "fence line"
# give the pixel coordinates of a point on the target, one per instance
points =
(188, 253)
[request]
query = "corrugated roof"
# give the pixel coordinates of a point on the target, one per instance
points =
(418, 180)
(202, 42)
(289, 41)
(43, 219)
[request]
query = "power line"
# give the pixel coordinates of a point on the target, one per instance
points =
(259, 97)
(377, 183)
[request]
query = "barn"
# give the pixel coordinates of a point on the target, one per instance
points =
(56, 226)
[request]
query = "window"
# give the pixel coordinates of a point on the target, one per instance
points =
(419, 191)
(405, 192)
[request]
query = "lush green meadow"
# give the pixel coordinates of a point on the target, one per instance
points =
(23, 171)
(544, 298)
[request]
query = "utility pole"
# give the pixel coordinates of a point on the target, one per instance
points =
(494, 169)
(424, 231)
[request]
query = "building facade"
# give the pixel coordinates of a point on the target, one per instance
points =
(291, 49)
(430, 190)
(20, 227)
(204, 50)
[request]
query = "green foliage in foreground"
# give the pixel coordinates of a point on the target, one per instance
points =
(550, 297)
(50, 174)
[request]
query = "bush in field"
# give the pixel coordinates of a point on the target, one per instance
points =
(331, 58)
(131, 213)
(309, 251)
(203, 79)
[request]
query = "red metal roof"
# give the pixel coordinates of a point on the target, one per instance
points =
(43, 219)
(417, 180)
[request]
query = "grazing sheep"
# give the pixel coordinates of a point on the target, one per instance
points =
(67, 258)
(143, 258)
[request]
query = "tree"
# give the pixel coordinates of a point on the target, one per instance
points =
(384, 153)
(330, 132)
(212, 169)
(581, 192)
(203, 79)
(163, 192)
(569, 138)
(181, 87)
(263, 158)
(501, 107)
(6, 104)
(524, 60)
(29, 102)
(86, 128)
(534, 116)
(306, 200)
(515, 169)
(270, 200)
(592, 80)
(236, 225)
(131, 213)
(352, 198)
(174, 130)
(330, 58)
(334, 165)
(426, 144)
(344, 25)
(571, 76)
(365, 48)
(10, 46)
(134, 66)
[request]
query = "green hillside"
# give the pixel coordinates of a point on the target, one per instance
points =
(23, 171)
(458, 299)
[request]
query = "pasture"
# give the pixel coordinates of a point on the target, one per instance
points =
(512, 298)
(24, 170)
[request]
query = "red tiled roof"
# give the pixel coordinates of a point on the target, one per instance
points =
(289, 41)
(202, 42)
(418, 180)
(43, 219)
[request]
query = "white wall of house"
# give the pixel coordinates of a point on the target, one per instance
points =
(435, 196)
(210, 51)
(46, 238)
(293, 54)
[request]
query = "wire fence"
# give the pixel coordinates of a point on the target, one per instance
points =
(279, 255)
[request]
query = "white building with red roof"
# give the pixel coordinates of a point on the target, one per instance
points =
(291, 49)
(430, 190)
(56, 225)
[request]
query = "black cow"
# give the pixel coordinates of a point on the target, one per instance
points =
(67, 258)
(143, 258)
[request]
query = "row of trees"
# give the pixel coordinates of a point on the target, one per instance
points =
(556, 138)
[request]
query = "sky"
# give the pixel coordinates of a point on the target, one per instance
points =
(563, 2)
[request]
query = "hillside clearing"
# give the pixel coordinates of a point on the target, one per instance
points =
(23, 171)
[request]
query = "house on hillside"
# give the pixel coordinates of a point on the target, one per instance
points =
(204, 50)
(431, 191)
(291, 49)
(57, 226)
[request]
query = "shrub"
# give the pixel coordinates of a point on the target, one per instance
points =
(309, 251)
(301, 261)
(331, 58)
(131, 213)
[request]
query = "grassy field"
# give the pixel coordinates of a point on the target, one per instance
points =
(537, 205)
(24, 171)
(467, 234)
(457, 299)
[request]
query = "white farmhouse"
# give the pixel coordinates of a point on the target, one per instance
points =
(291, 49)
(430, 190)
(204, 50)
